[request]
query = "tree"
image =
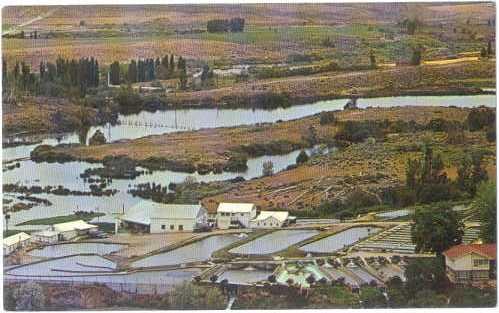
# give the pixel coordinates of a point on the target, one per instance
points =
(114, 73)
(310, 279)
(372, 297)
(205, 74)
(471, 297)
(485, 203)
(29, 297)
(7, 219)
(132, 72)
(302, 157)
(372, 59)
(268, 168)
(489, 48)
(411, 173)
(483, 52)
(425, 273)
(436, 229)
(427, 299)
(98, 138)
(416, 56)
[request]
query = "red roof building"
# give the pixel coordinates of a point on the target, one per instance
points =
(471, 263)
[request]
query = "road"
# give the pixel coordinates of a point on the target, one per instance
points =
(36, 19)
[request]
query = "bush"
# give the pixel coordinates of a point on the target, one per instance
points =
(481, 117)
(98, 138)
(327, 118)
(302, 157)
(358, 131)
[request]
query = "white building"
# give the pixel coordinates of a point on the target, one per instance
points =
(70, 230)
(473, 263)
(235, 215)
(46, 236)
(14, 242)
(270, 219)
(148, 216)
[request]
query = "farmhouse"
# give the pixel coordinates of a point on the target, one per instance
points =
(235, 215)
(473, 263)
(46, 236)
(14, 242)
(270, 219)
(148, 216)
(70, 230)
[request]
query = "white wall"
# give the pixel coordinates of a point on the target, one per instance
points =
(187, 224)
(269, 222)
(223, 221)
(466, 263)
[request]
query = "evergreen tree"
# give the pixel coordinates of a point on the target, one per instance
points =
(132, 72)
(114, 72)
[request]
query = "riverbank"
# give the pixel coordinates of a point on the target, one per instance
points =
(228, 148)
(440, 79)
(44, 115)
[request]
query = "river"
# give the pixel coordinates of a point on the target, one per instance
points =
(142, 124)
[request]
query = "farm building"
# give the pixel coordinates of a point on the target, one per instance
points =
(148, 216)
(235, 215)
(46, 236)
(472, 263)
(70, 230)
(270, 219)
(14, 242)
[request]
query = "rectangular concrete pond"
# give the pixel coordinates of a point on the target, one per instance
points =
(244, 276)
(195, 252)
(66, 249)
(139, 282)
(70, 266)
(340, 240)
(274, 242)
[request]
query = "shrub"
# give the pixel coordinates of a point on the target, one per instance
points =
(302, 157)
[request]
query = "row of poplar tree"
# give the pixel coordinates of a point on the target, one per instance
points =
(76, 76)
(52, 78)
(143, 70)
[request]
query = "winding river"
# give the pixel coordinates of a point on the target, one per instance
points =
(146, 123)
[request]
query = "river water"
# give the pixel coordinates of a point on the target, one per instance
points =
(146, 123)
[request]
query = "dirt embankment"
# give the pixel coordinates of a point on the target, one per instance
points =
(222, 148)
(369, 167)
(458, 78)
(49, 115)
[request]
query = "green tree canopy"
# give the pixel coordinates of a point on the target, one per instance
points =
(436, 229)
(485, 203)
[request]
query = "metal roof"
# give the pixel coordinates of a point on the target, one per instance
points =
(235, 207)
(74, 225)
(15, 239)
(281, 216)
(144, 211)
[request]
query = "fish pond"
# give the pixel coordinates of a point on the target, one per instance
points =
(274, 242)
(198, 251)
(66, 249)
(340, 240)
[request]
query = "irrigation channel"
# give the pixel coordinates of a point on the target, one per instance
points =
(144, 123)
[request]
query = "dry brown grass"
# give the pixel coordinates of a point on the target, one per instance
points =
(123, 49)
